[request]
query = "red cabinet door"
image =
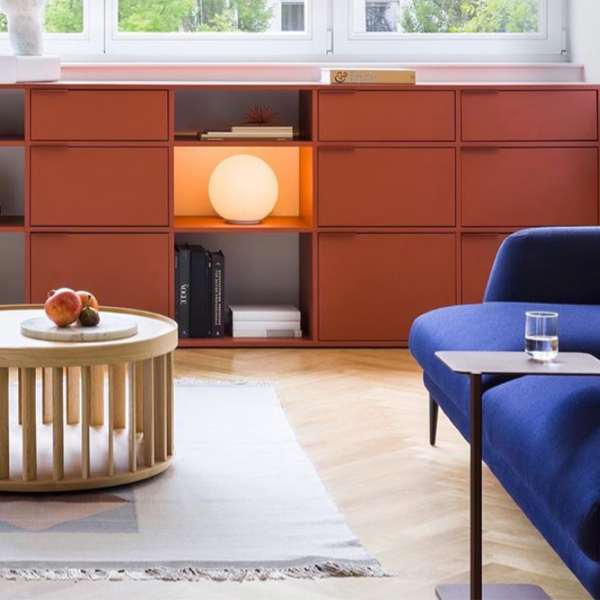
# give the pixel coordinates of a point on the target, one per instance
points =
(478, 254)
(371, 116)
(561, 115)
(529, 186)
(91, 187)
(88, 115)
(127, 270)
(386, 186)
(372, 286)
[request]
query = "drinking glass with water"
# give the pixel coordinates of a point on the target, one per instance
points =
(541, 335)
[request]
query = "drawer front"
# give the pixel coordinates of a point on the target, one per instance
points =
(127, 270)
(372, 116)
(478, 254)
(372, 286)
(529, 186)
(99, 115)
(91, 187)
(386, 187)
(529, 116)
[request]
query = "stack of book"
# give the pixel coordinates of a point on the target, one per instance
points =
(369, 76)
(250, 132)
(199, 292)
(277, 321)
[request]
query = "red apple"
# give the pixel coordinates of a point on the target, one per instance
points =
(83, 296)
(63, 307)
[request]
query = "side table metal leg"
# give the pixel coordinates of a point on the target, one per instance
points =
(476, 485)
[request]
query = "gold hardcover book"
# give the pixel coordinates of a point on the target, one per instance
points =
(369, 76)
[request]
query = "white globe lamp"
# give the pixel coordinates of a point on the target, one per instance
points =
(243, 189)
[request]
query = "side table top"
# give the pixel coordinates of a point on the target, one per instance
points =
(156, 336)
(518, 363)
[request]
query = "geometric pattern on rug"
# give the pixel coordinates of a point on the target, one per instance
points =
(83, 512)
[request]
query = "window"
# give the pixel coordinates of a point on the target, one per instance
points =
(73, 27)
(228, 29)
(450, 29)
(300, 29)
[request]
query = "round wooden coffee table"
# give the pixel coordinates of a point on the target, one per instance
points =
(88, 414)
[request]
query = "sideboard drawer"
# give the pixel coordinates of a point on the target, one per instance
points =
(92, 187)
(386, 186)
(372, 286)
(478, 254)
(372, 116)
(128, 270)
(517, 187)
(90, 115)
(489, 115)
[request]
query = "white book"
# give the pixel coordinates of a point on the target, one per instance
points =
(262, 128)
(268, 333)
(269, 325)
(264, 312)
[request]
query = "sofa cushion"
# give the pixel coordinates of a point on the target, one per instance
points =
(547, 429)
(493, 326)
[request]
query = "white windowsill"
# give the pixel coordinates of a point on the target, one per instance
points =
(557, 72)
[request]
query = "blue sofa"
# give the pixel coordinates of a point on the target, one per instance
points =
(541, 435)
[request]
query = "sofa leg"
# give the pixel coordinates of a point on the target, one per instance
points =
(434, 411)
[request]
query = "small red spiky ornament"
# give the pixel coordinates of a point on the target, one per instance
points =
(260, 115)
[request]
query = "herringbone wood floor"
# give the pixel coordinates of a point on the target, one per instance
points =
(362, 417)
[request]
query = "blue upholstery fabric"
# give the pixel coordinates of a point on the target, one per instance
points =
(541, 434)
(555, 264)
(493, 326)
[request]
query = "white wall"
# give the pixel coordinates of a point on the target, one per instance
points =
(584, 19)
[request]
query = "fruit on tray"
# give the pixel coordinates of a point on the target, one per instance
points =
(89, 317)
(85, 296)
(63, 307)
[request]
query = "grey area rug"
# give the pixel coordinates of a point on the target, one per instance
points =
(241, 502)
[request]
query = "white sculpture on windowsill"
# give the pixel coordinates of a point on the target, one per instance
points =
(25, 25)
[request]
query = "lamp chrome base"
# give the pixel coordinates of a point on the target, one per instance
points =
(462, 591)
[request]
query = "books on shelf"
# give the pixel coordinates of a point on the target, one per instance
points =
(369, 76)
(200, 292)
(265, 321)
(250, 132)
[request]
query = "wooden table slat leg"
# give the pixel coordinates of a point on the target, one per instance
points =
(139, 398)
(160, 408)
(97, 396)
(132, 416)
(58, 440)
(118, 377)
(20, 396)
(73, 395)
(170, 404)
(148, 388)
(4, 425)
(111, 422)
(29, 426)
(86, 397)
(47, 396)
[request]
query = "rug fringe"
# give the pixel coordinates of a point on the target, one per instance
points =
(321, 570)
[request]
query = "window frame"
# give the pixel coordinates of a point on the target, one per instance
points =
(548, 44)
(221, 46)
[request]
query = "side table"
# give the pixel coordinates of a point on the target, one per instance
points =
(475, 365)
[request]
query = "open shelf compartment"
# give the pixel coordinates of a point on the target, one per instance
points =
(219, 110)
(261, 268)
(293, 168)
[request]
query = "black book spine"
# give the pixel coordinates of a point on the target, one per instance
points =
(177, 286)
(207, 294)
(199, 308)
(184, 299)
(218, 295)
